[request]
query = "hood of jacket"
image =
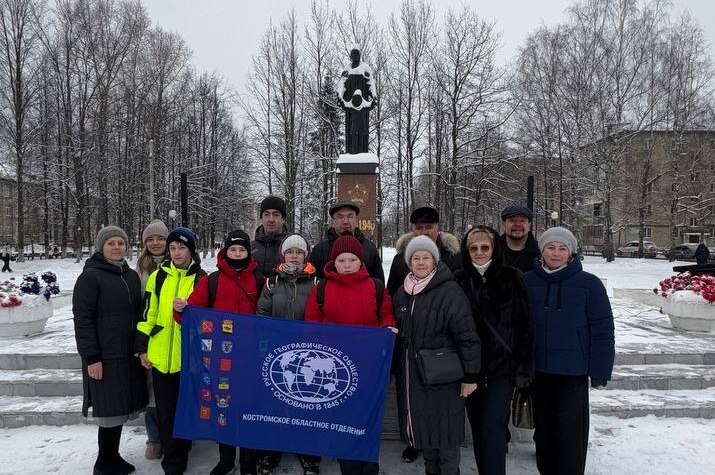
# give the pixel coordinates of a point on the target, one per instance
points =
(97, 261)
(573, 267)
(497, 255)
(445, 242)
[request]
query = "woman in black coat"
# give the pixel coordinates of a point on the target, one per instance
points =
(500, 306)
(432, 312)
(106, 303)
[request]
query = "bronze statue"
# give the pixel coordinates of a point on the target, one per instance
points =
(357, 95)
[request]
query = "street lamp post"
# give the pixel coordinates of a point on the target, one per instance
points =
(554, 217)
(172, 216)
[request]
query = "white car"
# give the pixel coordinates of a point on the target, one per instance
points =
(631, 249)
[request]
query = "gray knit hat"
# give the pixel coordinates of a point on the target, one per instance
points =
(155, 228)
(558, 234)
(297, 241)
(106, 233)
(421, 243)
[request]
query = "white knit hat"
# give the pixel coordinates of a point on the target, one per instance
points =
(421, 243)
(297, 241)
(558, 234)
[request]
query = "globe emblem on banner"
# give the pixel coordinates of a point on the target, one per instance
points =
(310, 376)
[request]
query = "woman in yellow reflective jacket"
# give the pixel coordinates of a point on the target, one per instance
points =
(158, 341)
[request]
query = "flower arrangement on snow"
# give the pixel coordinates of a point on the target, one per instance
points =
(702, 285)
(12, 295)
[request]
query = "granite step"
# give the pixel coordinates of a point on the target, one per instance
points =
(31, 361)
(625, 403)
(41, 382)
(662, 376)
(665, 358)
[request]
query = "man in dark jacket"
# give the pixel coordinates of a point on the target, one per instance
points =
(702, 254)
(520, 246)
(424, 221)
(267, 244)
(343, 220)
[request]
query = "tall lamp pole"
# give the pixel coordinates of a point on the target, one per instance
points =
(150, 163)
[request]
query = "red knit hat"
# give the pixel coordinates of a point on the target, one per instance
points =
(347, 244)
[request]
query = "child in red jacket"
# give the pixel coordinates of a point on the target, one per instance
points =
(237, 289)
(350, 299)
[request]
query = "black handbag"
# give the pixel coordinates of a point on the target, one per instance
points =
(439, 365)
(522, 411)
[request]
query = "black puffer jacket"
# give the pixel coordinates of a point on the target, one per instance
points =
(266, 250)
(501, 298)
(448, 246)
(107, 304)
(321, 254)
(524, 259)
(439, 316)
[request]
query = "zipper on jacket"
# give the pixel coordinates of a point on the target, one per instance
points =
(173, 324)
(409, 429)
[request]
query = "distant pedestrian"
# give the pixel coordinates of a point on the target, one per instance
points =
(6, 258)
(702, 253)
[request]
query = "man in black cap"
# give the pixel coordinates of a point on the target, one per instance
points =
(520, 245)
(343, 220)
(269, 235)
(424, 221)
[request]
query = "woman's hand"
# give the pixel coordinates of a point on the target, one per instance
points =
(467, 389)
(145, 361)
(179, 304)
(95, 371)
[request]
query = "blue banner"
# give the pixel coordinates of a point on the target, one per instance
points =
(284, 385)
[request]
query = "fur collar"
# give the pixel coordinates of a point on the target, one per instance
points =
(445, 242)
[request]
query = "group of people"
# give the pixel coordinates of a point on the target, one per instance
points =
(513, 313)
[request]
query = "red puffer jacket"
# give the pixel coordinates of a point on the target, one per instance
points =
(236, 291)
(349, 300)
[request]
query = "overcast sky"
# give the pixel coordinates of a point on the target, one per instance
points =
(224, 34)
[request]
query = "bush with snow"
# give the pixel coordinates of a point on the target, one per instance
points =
(12, 295)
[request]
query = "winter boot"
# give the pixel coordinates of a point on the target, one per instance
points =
(153, 451)
(410, 454)
(123, 467)
(222, 469)
(310, 464)
(108, 452)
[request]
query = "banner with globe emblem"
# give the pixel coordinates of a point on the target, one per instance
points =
(284, 385)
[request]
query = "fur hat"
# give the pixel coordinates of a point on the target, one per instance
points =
(297, 241)
(344, 204)
(421, 243)
(273, 202)
(558, 234)
(155, 228)
(185, 236)
(349, 244)
(424, 215)
(106, 233)
(516, 210)
(239, 237)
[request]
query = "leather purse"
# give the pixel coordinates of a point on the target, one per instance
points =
(522, 411)
(439, 365)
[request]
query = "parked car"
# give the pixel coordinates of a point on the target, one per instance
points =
(686, 252)
(631, 249)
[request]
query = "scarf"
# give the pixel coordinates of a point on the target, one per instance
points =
(482, 268)
(414, 286)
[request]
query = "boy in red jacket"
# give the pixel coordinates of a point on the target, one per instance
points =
(350, 299)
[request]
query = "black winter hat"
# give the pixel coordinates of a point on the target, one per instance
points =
(273, 202)
(238, 236)
(516, 210)
(185, 236)
(424, 215)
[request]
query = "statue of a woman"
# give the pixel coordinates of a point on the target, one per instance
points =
(357, 95)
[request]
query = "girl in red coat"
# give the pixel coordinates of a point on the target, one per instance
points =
(236, 290)
(350, 299)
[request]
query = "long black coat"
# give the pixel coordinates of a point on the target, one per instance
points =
(321, 254)
(107, 303)
(500, 297)
(439, 316)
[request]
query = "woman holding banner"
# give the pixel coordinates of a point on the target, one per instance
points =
(437, 358)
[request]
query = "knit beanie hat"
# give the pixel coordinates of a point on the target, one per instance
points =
(155, 228)
(273, 202)
(185, 236)
(106, 233)
(421, 243)
(237, 236)
(558, 234)
(347, 244)
(297, 241)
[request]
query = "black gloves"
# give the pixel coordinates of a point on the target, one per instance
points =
(598, 383)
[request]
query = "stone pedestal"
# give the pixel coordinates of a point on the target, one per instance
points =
(26, 319)
(357, 182)
(689, 311)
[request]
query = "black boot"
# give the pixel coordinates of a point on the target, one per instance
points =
(310, 464)
(227, 460)
(108, 459)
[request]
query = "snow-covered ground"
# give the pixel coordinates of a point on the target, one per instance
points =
(657, 446)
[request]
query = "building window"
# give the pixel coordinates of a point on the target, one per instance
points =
(693, 221)
(647, 232)
(597, 210)
(674, 186)
(649, 209)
